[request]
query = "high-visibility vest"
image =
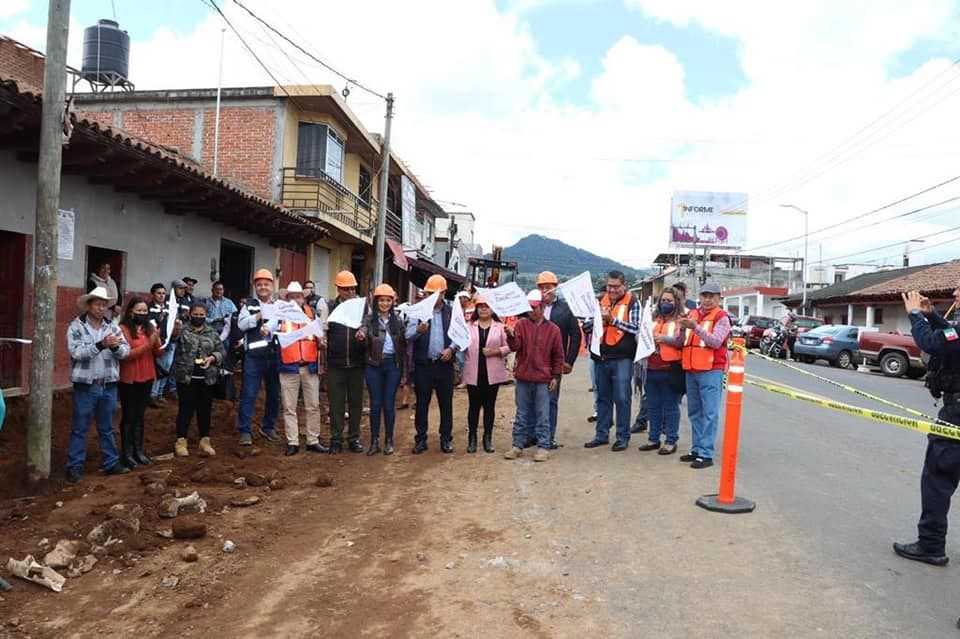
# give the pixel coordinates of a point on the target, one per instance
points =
(303, 351)
(611, 334)
(668, 353)
(697, 356)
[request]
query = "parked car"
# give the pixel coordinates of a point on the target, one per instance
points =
(802, 324)
(751, 328)
(838, 344)
(895, 353)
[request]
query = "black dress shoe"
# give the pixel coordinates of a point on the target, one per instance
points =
(592, 418)
(472, 442)
(618, 446)
(446, 447)
(335, 448)
(668, 449)
(388, 447)
(374, 449)
(702, 462)
(356, 447)
(554, 445)
(689, 457)
(291, 450)
(649, 446)
(117, 469)
(419, 447)
(916, 552)
(74, 475)
(593, 443)
(639, 427)
(317, 448)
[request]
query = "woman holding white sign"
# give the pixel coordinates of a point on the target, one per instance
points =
(483, 372)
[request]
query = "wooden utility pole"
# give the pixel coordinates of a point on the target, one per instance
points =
(45, 244)
(382, 208)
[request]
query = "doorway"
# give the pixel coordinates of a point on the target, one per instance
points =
(97, 255)
(236, 262)
(13, 255)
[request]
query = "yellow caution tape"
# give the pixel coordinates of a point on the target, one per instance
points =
(851, 389)
(940, 428)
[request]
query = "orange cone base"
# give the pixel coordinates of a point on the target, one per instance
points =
(739, 505)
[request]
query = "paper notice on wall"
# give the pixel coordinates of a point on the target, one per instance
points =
(645, 344)
(459, 332)
(579, 295)
(422, 311)
(349, 313)
(508, 300)
(172, 309)
(65, 234)
(312, 329)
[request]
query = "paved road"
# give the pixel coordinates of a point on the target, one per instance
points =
(848, 488)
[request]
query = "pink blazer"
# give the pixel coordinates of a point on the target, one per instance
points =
(496, 366)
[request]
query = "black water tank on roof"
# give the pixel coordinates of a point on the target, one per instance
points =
(106, 52)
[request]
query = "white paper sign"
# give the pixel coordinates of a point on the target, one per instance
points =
(284, 311)
(459, 332)
(579, 295)
(172, 309)
(597, 334)
(314, 328)
(65, 232)
(225, 333)
(645, 344)
(349, 313)
(508, 300)
(422, 311)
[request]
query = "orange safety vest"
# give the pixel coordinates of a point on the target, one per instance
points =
(302, 351)
(697, 356)
(611, 334)
(667, 353)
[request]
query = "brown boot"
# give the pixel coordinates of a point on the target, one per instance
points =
(205, 448)
(180, 448)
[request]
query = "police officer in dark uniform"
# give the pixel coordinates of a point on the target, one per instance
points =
(941, 468)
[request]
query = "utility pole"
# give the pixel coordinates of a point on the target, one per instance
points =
(806, 237)
(382, 204)
(216, 121)
(45, 244)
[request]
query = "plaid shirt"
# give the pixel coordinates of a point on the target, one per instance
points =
(88, 363)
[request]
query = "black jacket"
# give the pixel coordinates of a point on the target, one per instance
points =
(562, 316)
(343, 349)
(376, 338)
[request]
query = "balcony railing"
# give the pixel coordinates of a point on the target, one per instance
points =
(321, 193)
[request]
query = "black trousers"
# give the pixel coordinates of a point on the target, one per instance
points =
(133, 399)
(938, 482)
(482, 397)
(430, 377)
(195, 397)
(345, 394)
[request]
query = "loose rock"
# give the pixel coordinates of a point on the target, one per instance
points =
(82, 566)
(171, 506)
(324, 482)
(277, 484)
(170, 581)
(243, 502)
(189, 554)
(189, 528)
(155, 476)
(255, 480)
(64, 553)
(155, 489)
(229, 546)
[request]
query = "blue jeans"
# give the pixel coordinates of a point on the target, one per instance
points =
(663, 407)
(614, 377)
(704, 392)
(382, 384)
(593, 385)
(165, 383)
(554, 400)
(100, 403)
(533, 414)
(255, 370)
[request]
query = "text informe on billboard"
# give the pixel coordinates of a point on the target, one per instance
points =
(708, 219)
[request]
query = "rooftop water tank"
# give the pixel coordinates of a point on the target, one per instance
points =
(106, 54)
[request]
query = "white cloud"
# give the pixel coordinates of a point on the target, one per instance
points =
(478, 119)
(12, 8)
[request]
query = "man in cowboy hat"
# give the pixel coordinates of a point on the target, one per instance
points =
(95, 346)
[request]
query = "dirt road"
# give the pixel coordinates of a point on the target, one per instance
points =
(590, 544)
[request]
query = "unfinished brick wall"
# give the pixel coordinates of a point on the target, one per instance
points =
(22, 65)
(172, 128)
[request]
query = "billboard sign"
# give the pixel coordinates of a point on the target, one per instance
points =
(708, 219)
(408, 214)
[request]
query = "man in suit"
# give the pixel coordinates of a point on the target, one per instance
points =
(558, 312)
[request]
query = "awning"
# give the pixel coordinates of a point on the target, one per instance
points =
(399, 257)
(422, 269)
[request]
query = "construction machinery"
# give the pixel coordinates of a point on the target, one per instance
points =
(490, 273)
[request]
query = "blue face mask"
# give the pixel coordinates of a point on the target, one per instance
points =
(666, 308)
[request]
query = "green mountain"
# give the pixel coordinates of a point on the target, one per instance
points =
(536, 253)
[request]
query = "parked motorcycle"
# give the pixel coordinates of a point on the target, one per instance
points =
(774, 342)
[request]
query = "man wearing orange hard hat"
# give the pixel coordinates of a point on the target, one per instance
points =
(259, 362)
(345, 364)
(433, 354)
(558, 311)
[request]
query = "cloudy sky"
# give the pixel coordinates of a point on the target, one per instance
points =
(577, 119)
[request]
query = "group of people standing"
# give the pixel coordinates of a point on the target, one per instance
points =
(145, 353)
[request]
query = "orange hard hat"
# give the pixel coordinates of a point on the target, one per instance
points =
(547, 277)
(263, 274)
(345, 279)
(384, 290)
(436, 283)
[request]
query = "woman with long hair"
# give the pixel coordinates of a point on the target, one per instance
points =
(483, 372)
(137, 374)
(664, 385)
(196, 367)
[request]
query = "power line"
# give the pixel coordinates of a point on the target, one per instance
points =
(307, 53)
(886, 246)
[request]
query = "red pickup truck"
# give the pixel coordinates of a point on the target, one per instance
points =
(895, 353)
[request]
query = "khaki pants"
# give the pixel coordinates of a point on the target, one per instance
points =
(290, 385)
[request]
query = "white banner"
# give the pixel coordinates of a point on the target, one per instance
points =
(703, 218)
(408, 214)
(597, 334)
(508, 300)
(645, 344)
(459, 332)
(579, 295)
(314, 328)
(284, 311)
(172, 309)
(349, 313)
(422, 311)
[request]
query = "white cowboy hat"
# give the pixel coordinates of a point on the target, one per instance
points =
(98, 293)
(294, 287)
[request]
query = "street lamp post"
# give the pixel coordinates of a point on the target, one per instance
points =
(806, 237)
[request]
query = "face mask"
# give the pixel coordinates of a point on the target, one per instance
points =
(666, 308)
(197, 321)
(140, 318)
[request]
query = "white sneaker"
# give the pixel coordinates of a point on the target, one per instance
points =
(541, 455)
(513, 453)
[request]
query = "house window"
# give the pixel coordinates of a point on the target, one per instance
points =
(878, 316)
(366, 185)
(319, 151)
(838, 277)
